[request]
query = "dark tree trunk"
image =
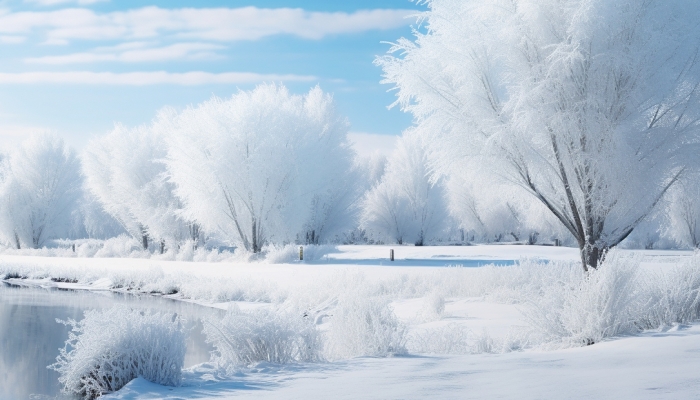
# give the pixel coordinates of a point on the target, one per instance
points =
(256, 244)
(194, 234)
(593, 255)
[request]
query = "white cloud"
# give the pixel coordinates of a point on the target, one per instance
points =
(57, 2)
(366, 144)
(146, 78)
(10, 39)
(211, 24)
(136, 52)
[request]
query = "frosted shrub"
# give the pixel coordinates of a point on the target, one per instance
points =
(109, 348)
(243, 339)
(120, 246)
(448, 339)
(673, 297)
(433, 307)
(290, 253)
(364, 326)
(602, 304)
(454, 338)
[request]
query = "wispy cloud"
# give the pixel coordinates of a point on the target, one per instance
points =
(135, 52)
(59, 2)
(146, 78)
(12, 39)
(210, 24)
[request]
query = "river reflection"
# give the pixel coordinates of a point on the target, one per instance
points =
(30, 337)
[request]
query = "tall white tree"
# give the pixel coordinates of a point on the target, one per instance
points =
(39, 191)
(253, 167)
(407, 205)
(125, 171)
(591, 106)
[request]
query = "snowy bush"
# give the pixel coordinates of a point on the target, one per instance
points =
(433, 307)
(603, 304)
(109, 348)
(447, 339)
(672, 297)
(244, 339)
(290, 253)
(364, 326)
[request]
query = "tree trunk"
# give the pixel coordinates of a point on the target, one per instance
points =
(17, 241)
(592, 255)
(256, 244)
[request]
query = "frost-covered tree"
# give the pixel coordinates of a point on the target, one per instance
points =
(250, 167)
(591, 106)
(96, 222)
(336, 209)
(39, 190)
(498, 211)
(683, 212)
(125, 171)
(406, 205)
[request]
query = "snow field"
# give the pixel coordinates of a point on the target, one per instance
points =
(327, 310)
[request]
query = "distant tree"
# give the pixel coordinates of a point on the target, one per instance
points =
(683, 212)
(264, 166)
(336, 210)
(39, 189)
(406, 205)
(592, 107)
(96, 222)
(125, 172)
(498, 212)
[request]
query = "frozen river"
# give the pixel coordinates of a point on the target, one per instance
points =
(30, 336)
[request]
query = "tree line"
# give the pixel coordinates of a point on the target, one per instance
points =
(574, 121)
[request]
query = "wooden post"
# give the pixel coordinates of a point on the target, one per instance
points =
(301, 253)
(391, 254)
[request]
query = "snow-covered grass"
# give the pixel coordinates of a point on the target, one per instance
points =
(108, 349)
(328, 310)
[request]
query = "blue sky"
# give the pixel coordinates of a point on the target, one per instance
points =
(75, 67)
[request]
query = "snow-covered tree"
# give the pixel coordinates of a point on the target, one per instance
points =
(125, 171)
(683, 212)
(498, 211)
(253, 167)
(591, 106)
(336, 209)
(39, 190)
(406, 205)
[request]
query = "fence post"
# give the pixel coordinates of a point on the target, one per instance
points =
(301, 253)
(391, 254)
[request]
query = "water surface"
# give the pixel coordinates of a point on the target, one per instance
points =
(30, 336)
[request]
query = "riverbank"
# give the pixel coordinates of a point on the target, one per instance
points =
(466, 328)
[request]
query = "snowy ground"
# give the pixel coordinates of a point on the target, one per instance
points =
(653, 364)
